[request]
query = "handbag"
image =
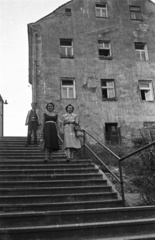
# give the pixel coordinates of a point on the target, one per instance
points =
(78, 131)
(42, 144)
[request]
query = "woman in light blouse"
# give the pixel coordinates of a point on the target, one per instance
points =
(70, 142)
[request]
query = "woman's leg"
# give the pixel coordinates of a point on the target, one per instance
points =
(68, 151)
(50, 154)
(46, 154)
(72, 153)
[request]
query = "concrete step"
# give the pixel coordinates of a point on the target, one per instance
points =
(44, 218)
(51, 198)
(28, 177)
(81, 230)
(69, 205)
(44, 166)
(52, 183)
(48, 171)
(53, 190)
(133, 237)
(12, 138)
(56, 160)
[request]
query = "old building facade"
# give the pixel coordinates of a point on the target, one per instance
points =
(98, 55)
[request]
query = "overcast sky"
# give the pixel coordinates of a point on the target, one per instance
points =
(14, 86)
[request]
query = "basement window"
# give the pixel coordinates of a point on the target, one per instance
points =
(104, 49)
(66, 48)
(101, 10)
(149, 125)
(135, 13)
(108, 89)
(146, 90)
(68, 88)
(68, 12)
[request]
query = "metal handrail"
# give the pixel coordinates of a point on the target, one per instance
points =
(117, 157)
(120, 181)
(137, 151)
(103, 145)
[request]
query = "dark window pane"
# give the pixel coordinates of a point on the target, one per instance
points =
(103, 83)
(68, 11)
(143, 94)
(104, 93)
(104, 52)
(139, 45)
(67, 82)
(65, 42)
(101, 5)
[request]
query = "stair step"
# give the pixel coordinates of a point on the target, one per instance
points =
(60, 206)
(51, 176)
(55, 160)
(81, 230)
(52, 183)
(44, 166)
(53, 190)
(47, 171)
(46, 198)
(45, 218)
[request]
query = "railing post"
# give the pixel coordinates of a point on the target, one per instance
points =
(84, 141)
(121, 182)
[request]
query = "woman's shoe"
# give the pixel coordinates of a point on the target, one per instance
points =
(70, 159)
(46, 160)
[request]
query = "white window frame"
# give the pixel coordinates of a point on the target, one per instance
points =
(101, 10)
(149, 95)
(66, 49)
(108, 87)
(102, 45)
(142, 54)
(68, 87)
(133, 13)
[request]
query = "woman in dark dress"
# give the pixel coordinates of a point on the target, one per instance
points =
(50, 134)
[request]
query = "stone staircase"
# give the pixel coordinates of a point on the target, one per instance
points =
(60, 200)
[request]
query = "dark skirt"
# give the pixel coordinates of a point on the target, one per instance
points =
(51, 136)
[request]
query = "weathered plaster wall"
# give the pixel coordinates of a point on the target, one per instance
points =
(87, 69)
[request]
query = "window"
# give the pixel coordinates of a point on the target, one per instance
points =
(108, 89)
(135, 13)
(101, 10)
(68, 88)
(68, 12)
(66, 48)
(146, 90)
(141, 51)
(104, 49)
(149, 124)
(112, 133)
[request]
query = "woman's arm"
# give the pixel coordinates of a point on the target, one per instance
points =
(43, 123)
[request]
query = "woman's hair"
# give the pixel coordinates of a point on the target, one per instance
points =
(69, 105)
(50, 104)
